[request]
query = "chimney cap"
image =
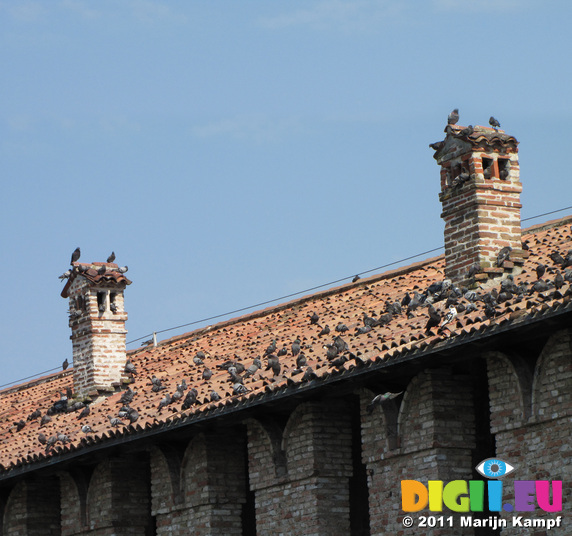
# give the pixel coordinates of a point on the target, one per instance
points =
(112, 275)
(485, 139)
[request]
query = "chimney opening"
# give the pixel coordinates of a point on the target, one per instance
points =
(487, 167)
(101, 301)
(504, 168)
(112, 302)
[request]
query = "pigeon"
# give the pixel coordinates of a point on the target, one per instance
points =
(34, 415)
(540, 269)
(114, 421)
(111, 258)
(127, 396)
(123, 269)
(503, 255)
(557, 258)
(84, 412)
(340, 344)
(86, 429)
(295, 347)
(234, 376)
(102, 269)
(182, 386)
(467, 131)
(207, 374)
(339, 362)
(133, 415)
(494, 123)
(558, 280)
(253, 369)
(314, 318)
(215, 397)
(63, 438)
(190, 399)
(271, 348)
(342, 328)
(42, 438)
(273, 364)
(449, 317)
(198, 359)
(356, 278)
(45, 420)
(177, 395)
(453, 117)
(75, 255)
(52, 440)
(65, 364)
(164, 402)
(239, 389)
(19, 425)
(380, 399)
(309, 375)
(325, 331)
(331, 351)
(434, 318)
(301, 360)
(368, 320)
(65, 275)
(363, 330)
(130, 367)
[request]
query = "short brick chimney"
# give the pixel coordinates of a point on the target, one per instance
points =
(97, 320)
(480, 194)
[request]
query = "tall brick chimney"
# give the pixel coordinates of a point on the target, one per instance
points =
(97, 320)
(480, 194)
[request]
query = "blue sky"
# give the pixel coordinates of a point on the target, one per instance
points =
(235, 152)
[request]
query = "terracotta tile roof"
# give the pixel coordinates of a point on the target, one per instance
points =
(394, 337)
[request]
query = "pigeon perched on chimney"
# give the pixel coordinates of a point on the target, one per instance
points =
(111, 258)
(503, 255)
(494, 123)
(75, 255)
(453, 117)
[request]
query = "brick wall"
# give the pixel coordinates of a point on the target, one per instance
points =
(531, 422)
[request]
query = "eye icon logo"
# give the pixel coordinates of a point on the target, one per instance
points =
(494, 468)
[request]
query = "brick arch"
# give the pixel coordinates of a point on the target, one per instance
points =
(74, 487)
(13, 521)
(166, 492)
(408, 420)
(33, 507)
(301, 417)
(269, 434)
(194, 474)
(510, 390)
(552, 383)
(98, 499)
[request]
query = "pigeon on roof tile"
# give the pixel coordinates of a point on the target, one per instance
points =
(296, 347)
(301, 360)
(540, 270)
(127, 396)
(111, 258)
(309, 375)
(274, 364)
(342, 328)
(130, 368)
(355, 278)
(449, 317)
(271, 348)
(253, 369)
(114, 421)
(65, 275)
(42, 438)
(314, 318)
(494, 123)
(215, 397)
(283, 351)
(102, 269)
(34, 415)
(20, 425)
(503, 255)
(123, 269)
(557, 258)
(558, 280)
(65, 364)
(434, 318)
(453, 117)
(325, 330)
(190, 399)
(75, 255)
(86, 429)
(45, 420)
(207, 374)
(198, 359)
(239, 389)
(165, 401)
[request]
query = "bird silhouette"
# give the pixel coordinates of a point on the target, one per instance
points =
(453, 117)
(111, 258)
(75, 255)
(65, 364)
(494, 123)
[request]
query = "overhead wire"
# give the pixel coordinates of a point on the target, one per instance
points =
(260, 304)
